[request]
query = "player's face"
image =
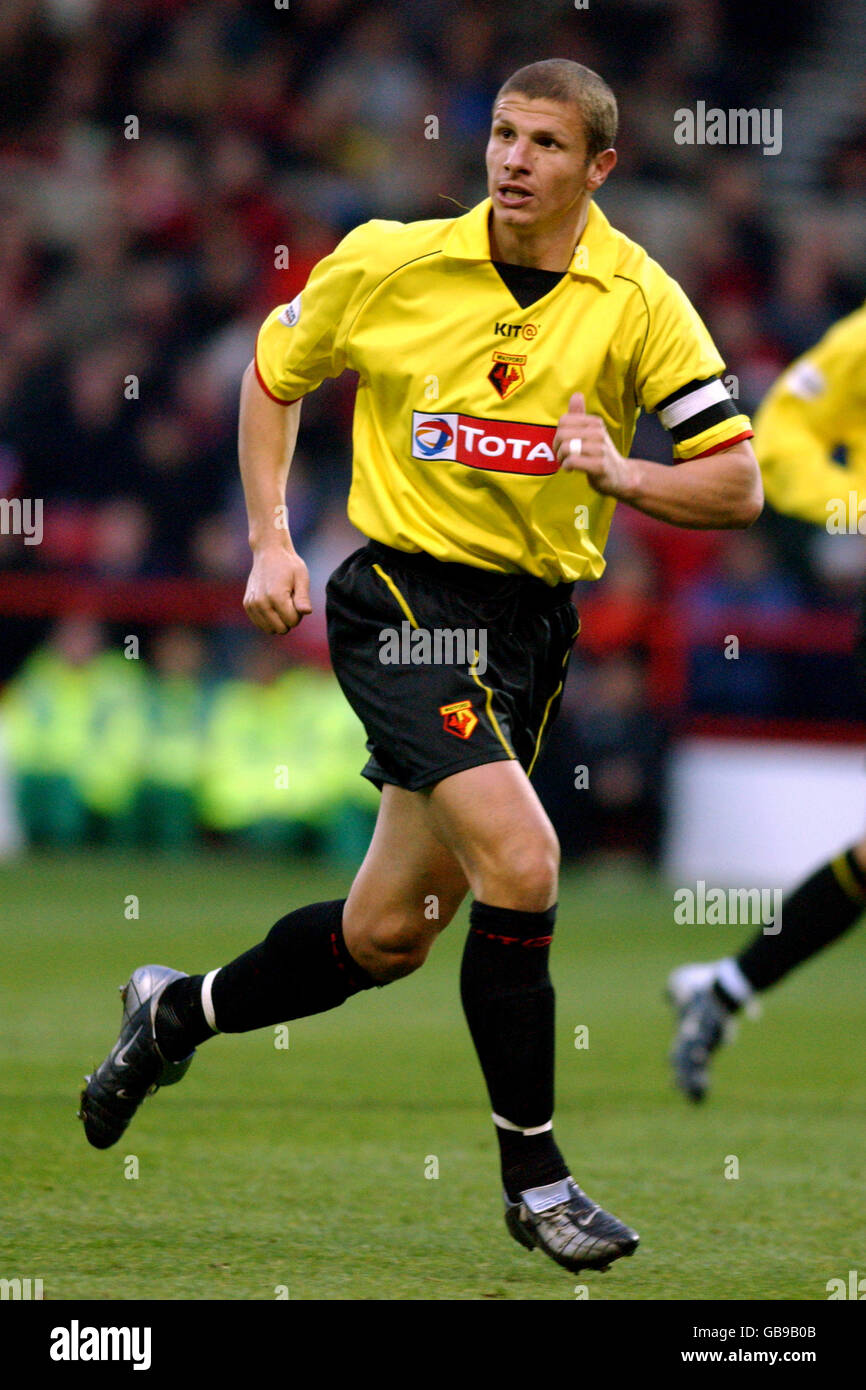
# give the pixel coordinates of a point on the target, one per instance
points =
(537, 165)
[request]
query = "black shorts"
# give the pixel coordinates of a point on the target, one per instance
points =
(447, 666)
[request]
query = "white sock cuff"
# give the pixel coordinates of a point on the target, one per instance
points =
(518, 1129)
(733, 981)
(207, 999)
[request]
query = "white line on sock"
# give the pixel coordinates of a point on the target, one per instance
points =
(733, 981)
(518, 1129)
(207, 999)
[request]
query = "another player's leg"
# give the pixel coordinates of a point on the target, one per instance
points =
(311, 961)
(707, 996)
(496, 827)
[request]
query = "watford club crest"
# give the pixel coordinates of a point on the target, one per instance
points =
(506, 375)
(459, 719)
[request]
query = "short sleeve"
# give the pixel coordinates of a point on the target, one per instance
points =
(301, 343)
(817, 406)
(678, 374)
(828, 383)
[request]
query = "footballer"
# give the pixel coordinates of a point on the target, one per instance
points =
(546, 332)
(816, 407)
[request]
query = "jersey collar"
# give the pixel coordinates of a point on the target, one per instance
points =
(594, 257)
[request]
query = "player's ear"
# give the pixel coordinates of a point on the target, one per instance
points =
(599, 168)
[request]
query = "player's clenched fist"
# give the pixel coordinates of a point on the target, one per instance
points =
(582, 443)
(278, 590)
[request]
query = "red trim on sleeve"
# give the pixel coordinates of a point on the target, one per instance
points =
(717, 448)
(267, 390)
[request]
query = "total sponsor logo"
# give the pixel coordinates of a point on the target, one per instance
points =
(501, 446)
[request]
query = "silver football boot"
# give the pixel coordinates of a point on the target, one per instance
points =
(573, 1230)
(135, 1067)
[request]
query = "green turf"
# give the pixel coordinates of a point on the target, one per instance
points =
(305, 1167)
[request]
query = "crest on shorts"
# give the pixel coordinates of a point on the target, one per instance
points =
(506, 374)
(459, 719)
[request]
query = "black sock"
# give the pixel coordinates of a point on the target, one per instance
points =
(509, 1005)
(302, 967)
(180, 1021)
(528, 1160)
(731, 1004)
(818, 912)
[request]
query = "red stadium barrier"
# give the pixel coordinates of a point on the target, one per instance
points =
(667, 633)
(147, 602)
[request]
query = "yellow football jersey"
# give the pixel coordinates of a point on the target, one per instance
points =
(461, 389)
(816, 407)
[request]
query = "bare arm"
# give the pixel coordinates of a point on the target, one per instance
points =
(278, 589)
(720, 491)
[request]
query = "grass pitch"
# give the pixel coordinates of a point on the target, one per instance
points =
(308, 1170)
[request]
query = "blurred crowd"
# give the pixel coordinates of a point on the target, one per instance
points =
(103, 742)
(172, 169)
(185, 739)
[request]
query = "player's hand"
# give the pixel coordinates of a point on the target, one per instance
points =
(582, 444)
(278, 590)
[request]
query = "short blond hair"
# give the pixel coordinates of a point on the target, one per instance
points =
(559, 79)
